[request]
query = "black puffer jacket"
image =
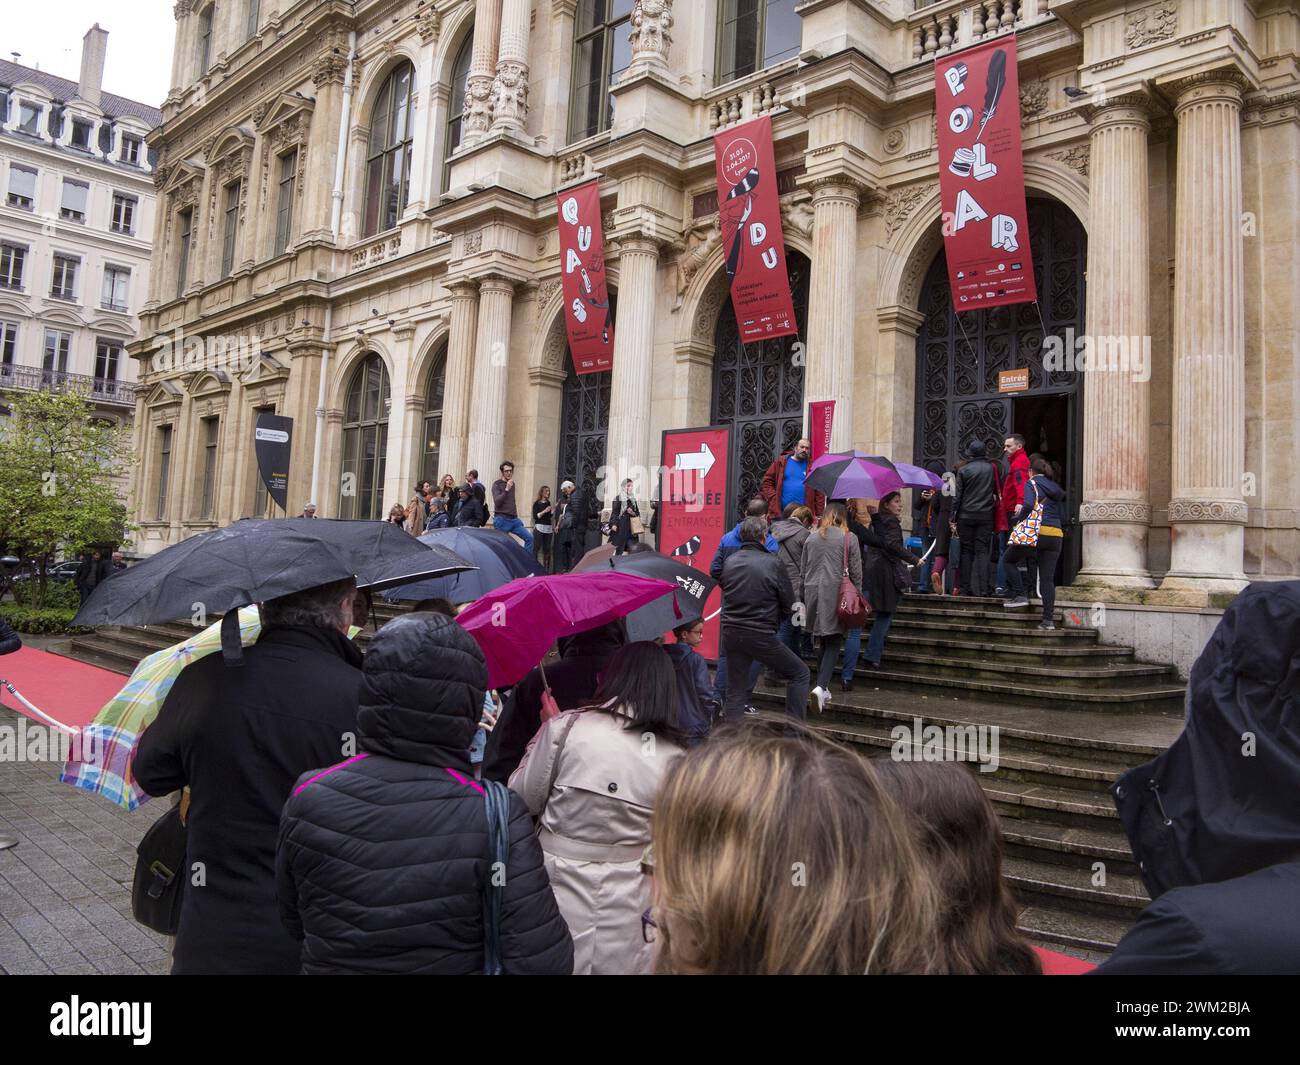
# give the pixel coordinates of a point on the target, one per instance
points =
(382, 859)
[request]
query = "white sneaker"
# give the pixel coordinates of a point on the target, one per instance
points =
(818, 698)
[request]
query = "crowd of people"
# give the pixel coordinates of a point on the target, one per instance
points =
(641, 839)
(335, 801)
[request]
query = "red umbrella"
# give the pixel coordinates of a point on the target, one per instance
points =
(516, 624)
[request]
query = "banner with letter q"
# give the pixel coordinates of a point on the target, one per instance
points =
(587, 314)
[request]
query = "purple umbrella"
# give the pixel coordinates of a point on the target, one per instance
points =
(853, 475)
(918, 476)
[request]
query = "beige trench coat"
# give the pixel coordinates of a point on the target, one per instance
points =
(594, 824)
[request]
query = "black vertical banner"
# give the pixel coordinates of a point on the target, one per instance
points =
(272, 440)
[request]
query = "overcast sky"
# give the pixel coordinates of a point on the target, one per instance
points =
(48, 34)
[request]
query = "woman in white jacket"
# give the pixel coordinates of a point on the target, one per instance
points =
(590, 777)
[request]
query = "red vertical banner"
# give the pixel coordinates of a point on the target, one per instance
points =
(750, 217)
(587, 317)
(693, 508)
(821, 420)
(982, 177)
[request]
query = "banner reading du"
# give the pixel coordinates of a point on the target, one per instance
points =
(982, 177)
(587, 317)
(750, 216)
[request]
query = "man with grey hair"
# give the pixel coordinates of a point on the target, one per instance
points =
(238, 736)
(308, 511)
(756, 597)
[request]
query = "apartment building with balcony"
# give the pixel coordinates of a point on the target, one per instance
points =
(76, 231)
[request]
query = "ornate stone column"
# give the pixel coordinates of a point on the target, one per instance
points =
(1116, 510)
(482, 72)
(627, 447)
(487, 403)
(453, 445)
(829, 368)
(510, 87)
(180, 44)
(1206, 511)
(328, 72)
(652, 22)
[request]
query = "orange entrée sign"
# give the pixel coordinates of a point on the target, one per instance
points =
(1014, 380)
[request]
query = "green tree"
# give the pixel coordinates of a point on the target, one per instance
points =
(57, 470)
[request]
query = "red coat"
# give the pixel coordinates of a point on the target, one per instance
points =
(1012, 490)
(770, 489)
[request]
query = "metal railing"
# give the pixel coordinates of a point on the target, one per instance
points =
(98, 389)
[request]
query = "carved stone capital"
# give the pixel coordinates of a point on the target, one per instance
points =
(1115, 511)
(1225, 85)
(1227, 511)
(510, 94)
(182, 8)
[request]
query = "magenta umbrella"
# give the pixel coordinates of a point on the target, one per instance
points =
(516, 624)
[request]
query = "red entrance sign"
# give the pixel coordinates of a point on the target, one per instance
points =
(587, 317)
(982, 177)
(749, 213)
(693, 508)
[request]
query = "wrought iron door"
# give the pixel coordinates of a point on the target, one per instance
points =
(758, 388)
(584, 425)
(958, 357)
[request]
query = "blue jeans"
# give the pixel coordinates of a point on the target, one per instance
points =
(880, 623)
(514, 525)
(852, 648)
(923, 570)
(1000, 579)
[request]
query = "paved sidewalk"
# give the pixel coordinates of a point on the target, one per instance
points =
(65, 890)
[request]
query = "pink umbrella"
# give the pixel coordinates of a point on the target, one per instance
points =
(516, 624)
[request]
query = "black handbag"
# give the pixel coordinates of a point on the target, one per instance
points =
(496, 797)
(159, 886)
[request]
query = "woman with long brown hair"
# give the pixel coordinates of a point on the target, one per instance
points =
(963, 851)
(785, 855)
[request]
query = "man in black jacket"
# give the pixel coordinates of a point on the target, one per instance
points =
(383, 860)
(239, 736)
(571, 516)
(1214, 821)
(756, 597)
(973, 504)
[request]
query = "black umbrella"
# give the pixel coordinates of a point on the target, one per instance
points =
(686, 603)
(255, 560)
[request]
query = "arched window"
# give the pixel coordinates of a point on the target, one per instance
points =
(456, 106)
(388, 158)
(433, 395)
(601, 52)
(754, 35)
(365, 441)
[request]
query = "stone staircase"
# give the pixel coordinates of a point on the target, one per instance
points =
(1072, 715)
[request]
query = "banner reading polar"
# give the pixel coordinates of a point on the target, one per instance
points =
(982, 177)
(587, 317)
(750, 216)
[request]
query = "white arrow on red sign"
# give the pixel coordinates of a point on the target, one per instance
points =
(702, 460)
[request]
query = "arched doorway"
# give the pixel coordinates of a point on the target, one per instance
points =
(434, 391)
(758, 388)
(365, 440)
(959, 358)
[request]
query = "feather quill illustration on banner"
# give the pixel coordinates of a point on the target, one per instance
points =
(997, 80)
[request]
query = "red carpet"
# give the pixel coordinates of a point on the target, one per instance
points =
(70, 692)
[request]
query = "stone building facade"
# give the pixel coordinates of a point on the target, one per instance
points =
(76, 232)
(367, 191)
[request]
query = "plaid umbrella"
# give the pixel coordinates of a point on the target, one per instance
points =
(110, 739)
